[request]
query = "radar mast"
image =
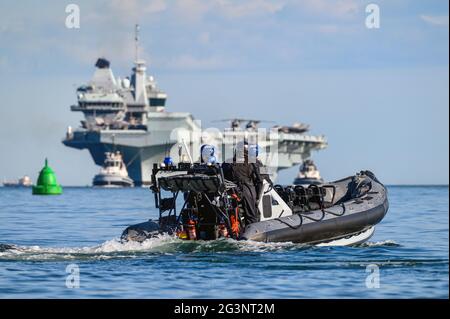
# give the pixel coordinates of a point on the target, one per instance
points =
(136, 42)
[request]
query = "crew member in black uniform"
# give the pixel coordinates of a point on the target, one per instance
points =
(253, 153)
(246, 175)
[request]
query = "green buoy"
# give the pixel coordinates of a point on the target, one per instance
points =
(46, 183)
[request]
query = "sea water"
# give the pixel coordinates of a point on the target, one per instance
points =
(68, 247)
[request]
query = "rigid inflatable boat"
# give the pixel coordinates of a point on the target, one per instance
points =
(343, 212)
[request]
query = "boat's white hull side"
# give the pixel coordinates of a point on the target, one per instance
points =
(352, 240)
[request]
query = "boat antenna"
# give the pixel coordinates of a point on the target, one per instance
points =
(136, 41)
(187, 151)
(167, 149)
(180, 152)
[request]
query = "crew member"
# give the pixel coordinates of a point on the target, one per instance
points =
(253, 153)
(246, 176)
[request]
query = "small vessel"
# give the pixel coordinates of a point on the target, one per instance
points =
(343, 212)
(24, 181)
(308, 174)
(113, 173)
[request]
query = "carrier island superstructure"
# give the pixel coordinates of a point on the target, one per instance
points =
(129, 115)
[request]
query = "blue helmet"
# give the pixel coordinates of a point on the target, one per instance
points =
(168, 161)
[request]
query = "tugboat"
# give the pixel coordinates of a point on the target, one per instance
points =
(24, 181)
(308, 174)
(113, 173)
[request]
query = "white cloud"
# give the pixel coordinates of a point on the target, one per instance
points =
(191, 10)
(328, 28)
(3, 62)
(335, 8)
(238, 9)
(190, 62)
(194, 10)
(204, 38)
(88, 54)
(441, 21)
(127, 12)
(156, 6)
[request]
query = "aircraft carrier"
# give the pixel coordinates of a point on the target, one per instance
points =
(129, 115)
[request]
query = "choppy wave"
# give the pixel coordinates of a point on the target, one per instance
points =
(113, 248)
(163, 244)
(388, 243)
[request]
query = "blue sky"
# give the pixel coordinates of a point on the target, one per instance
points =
(379, 95)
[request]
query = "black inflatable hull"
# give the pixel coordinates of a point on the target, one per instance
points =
(142, 231)
(350, 217)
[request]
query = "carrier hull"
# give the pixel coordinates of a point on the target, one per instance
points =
(140, 148)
